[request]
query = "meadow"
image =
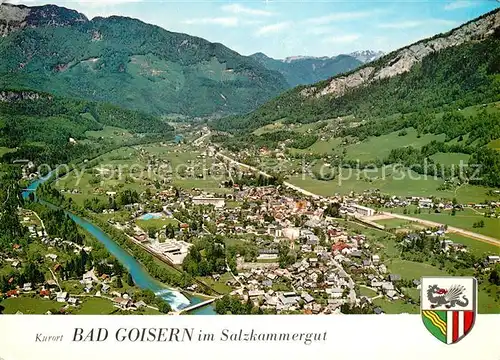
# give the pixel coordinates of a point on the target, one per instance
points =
(141, 167)
(28, 305)
(4, 150)
(396, 307)
(495, 144)
(95, 306)
(411, 270)
(379, 147)
(394, 223)
(451, 158)
(220, 284)
(392, 182)
(156, 224)
(384, 179)
(110, 133)
(464, 219)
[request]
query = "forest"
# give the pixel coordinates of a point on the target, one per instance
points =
(40, 125)
(135, 65)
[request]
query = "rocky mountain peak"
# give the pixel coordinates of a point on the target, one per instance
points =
(402, 60)
(16, 17)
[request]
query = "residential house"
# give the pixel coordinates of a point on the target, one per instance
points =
(27, 287)
(62, 296)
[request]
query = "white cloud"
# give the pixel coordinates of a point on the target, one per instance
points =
(458, 4)
(341, 39)
(223, 21)
(95, 3)
(401, 25)
(320, 30)
(340, 16)
(416, 23)
(105, 2)
(240, 9)
(272, 29)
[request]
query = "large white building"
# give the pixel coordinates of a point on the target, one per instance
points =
(174, 251)
(363, 210)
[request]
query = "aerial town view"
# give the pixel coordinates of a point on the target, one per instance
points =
(147, 171)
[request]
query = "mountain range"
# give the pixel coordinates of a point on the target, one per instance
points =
(302, 70)
(129, 63)
(451, 70)
(140, 66)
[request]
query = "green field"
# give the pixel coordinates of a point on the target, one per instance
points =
(393, 223)
(413, 270)
(463, 219)
(127, 168)
(366, 292)
(451, 158)
(4, 150)
(110, 133)
(208, 184)
(387, 180)
(219, 285)
(396, 307)
(379, 147)
(488, 299)
(269, 128)
(321, 147)
(95, 306)
(28, 305)
(495, 144)
(156, 224)
(476, 247)
(358, 228)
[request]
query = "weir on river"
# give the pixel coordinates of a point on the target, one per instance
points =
(139, 274)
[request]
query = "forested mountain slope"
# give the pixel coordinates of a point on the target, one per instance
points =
(446, 72)
(47, 129)
(423, 87)
(129, 63)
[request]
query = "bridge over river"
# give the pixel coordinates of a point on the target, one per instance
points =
(196, 306)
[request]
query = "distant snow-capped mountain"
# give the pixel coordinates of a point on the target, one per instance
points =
(366, 56)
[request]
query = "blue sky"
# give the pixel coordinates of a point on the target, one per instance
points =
(297, 27)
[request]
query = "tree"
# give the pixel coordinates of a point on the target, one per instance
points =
(321, 277)
(130, 280)
(495, 277)
(479, 224)
(332, 210)
(163, 306)
(119, 283)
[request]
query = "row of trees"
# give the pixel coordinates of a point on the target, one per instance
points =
(231, 305)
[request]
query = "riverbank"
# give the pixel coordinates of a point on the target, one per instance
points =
(139, 274)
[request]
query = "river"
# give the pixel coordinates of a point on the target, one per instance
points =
(140, 275)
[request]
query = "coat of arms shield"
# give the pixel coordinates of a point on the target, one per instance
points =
(448, 306)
